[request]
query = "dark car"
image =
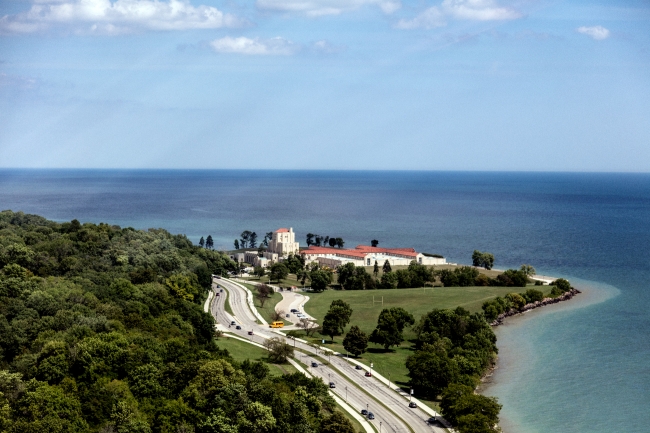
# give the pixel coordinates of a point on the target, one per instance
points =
(358, 367)
(217, 294)
(364, 412)
(432, 420)
(371, 415)
(221, 290)
(368, 374)
(233, 323)
(287, 315)
(314, 364)
(250, 332)
(413, 404)
(332, 385)
(293, 310)
(237, 327)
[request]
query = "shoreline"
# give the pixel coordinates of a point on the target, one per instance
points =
(533, 305)
(500, 320)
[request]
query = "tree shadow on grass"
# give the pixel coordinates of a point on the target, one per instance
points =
(379, 350)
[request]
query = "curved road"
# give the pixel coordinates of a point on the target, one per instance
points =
(342, 373)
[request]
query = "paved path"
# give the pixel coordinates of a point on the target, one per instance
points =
(292, 300)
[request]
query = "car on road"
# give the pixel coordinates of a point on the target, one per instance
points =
(237, 327)
(368, 374)
(371, 415)
(287, 315)
(332, 385)
(250, 332)
(314, 364)
(364, 412)
(413, 405)
(233, 323)
(358, 367)
(221, 290)
(293, 310)
(432, 420)
(217, 294)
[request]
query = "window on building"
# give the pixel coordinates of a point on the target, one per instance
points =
(368, 262)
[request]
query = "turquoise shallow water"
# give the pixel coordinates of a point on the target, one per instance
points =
(582, 366)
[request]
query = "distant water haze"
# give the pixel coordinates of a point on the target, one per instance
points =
(581, 366)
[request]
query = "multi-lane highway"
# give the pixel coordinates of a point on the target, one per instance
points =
(390, 408)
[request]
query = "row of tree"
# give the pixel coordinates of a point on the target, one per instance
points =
(206, 243)
(102, 330)
(516, 301)
(467, 276)
(318, 240)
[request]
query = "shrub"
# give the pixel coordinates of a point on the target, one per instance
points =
(532, 295)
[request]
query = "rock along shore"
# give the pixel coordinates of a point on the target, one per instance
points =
(546, 301)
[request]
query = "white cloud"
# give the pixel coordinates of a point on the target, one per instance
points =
(597, 33)
(475, 10)
(325, 7)
(428, 19)
(325, 47)
(118, 16)
(244, 45)
(479, 10)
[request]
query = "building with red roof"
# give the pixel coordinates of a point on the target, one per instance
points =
(364, 255)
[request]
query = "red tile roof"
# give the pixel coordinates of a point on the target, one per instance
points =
(360, 251)
(410, 252)
(282, 230)
(334, 251)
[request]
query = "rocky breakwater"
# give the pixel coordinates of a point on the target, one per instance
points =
(546, 301)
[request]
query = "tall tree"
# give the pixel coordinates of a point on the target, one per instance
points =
(201, 242)
(355, 341)
(236, 244)
(375, 270)
(278, 272)
(209, 243)
(337, 317)
(336, 423)
(279, 351)
(318, 240)
(330, 327)
(319, 279)
(332, 242)
(340, 242)
(252, 240)
(374, 242)
(267, 238)
(326, 240)
(244, 238)
(390, 327)
(528, 270)
(386, 268)
(263, 293)
(310, 239)
(482, 259)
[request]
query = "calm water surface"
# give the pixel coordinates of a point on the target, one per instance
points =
(580, 367)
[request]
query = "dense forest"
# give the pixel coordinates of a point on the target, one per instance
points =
(102, 330)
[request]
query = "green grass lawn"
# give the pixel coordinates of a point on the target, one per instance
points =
(269, 305)
(240, 351)
(415, 301)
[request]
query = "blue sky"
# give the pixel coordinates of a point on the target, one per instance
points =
(326, 84)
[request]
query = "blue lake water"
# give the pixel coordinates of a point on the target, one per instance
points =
(581, 366)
